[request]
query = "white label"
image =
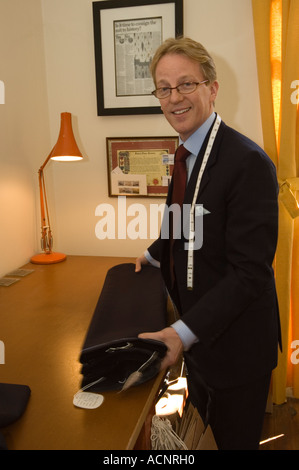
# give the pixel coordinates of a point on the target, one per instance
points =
(88, 400)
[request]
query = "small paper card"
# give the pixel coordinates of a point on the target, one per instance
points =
(88, 400)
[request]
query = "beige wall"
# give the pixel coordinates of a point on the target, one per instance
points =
(75, 190)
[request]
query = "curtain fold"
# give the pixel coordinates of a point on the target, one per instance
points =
(281, 142)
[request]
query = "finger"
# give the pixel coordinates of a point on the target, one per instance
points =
(139, 262)
(138, 265)
(149, 336)
(155, 336)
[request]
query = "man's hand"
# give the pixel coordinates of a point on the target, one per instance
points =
(173, 342)
(139, 262)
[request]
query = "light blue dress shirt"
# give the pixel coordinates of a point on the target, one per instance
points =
(193, 144)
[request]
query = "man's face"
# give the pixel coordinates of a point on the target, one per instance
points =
(185, 113)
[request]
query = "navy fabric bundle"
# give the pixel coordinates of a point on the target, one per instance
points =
(130, 303)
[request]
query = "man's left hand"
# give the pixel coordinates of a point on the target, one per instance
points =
(173, 342)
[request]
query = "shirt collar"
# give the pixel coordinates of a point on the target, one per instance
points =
(195, 141)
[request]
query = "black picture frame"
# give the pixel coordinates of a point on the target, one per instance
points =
(125, 34)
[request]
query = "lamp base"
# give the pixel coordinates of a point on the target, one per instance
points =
(48, 258)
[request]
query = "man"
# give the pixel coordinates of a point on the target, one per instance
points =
(229, 323)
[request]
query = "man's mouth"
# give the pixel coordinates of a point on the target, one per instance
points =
(181, 111)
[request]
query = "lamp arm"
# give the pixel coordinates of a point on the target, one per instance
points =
(46, 233)
(47, 159)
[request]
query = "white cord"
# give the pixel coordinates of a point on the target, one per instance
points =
(89, 385)
(163, 436)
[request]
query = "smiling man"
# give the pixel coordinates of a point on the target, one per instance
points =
(188, 106)
(224, 292)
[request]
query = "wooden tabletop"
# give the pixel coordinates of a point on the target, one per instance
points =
(43, 321)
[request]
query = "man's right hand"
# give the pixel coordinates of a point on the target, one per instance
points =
(139, 262)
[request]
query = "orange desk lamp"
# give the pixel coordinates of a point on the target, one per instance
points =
(65, 150)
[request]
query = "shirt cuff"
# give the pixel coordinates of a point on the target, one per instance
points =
(151, 260)
(187, 336)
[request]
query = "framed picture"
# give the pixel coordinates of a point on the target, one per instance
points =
(140, 166)
(126, 35)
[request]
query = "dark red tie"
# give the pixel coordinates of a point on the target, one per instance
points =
(179, 180)
(179, 175)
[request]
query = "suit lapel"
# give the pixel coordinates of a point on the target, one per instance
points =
(190, 192)
(211, 162)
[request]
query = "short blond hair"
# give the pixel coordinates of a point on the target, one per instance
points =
(190, 48)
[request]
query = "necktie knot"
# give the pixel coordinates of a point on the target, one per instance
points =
(181, 154)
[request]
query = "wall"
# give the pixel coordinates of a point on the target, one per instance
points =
(24, 128)
(47, 65)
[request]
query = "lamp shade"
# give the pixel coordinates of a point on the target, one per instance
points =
(66, 148)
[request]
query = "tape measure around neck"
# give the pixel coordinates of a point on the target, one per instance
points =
(192, 210)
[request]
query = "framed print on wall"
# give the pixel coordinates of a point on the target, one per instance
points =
(140, 166)
(126, 35)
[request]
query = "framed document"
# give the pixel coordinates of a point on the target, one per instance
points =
(140, 166)
(126, 36)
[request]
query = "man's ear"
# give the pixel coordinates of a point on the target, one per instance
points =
(214, 87)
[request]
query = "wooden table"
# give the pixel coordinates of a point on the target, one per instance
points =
(43, 321)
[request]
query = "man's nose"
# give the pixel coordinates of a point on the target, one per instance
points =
(175, 96)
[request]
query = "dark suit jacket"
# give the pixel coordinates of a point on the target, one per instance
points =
(232, 308)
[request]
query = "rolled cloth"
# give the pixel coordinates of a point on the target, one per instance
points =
(130, 303)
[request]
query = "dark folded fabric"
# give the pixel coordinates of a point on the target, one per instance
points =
(130, 303)
(13, 402)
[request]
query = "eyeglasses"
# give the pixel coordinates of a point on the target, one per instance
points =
(183, 88)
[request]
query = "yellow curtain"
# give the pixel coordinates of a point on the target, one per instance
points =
(276, 26)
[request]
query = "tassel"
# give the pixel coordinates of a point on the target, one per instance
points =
(135, 377)
(163, 437)
(132, 380)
